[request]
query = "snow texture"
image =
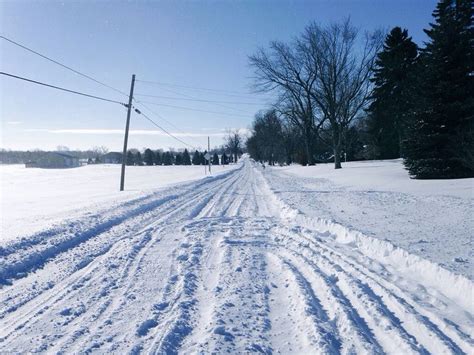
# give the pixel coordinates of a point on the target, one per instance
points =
(225, 264)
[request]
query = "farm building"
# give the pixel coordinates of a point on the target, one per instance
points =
(112, 158)
(54, 160)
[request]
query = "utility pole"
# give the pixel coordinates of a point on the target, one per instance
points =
(209, 152)
(125, 140)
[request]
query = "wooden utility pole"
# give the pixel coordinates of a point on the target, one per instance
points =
(125, 140)
(209, 152)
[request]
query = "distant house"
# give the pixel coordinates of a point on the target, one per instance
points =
(54, 160)
(112, 158)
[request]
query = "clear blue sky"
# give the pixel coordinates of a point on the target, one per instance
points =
(190, 43)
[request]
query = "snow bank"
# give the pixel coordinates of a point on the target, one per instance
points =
(456, 287)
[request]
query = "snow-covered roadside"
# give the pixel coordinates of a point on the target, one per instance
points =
(432, 218)
(35, 199)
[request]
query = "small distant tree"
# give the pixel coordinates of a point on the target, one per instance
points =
(224, 159)
(234, 143)
(138, 159)
(215, 159)
(157, 156)
(130, 158)
(196, 158)
(178, 159)
(167, 158)
(149, 157)
(186, 158)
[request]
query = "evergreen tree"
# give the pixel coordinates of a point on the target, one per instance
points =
(130, 158)
(440, 139)
(215, 159)
(178, 159)
(202, 159)
(186, 158)
(225, 159)
(196, 158)
(392, 93)
(167, 158)
(149, 157)
(158, 160)
(138, 159)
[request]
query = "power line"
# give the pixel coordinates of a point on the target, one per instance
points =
(164, 130)
(199, 100)
(217, 104)
(164, 119)
(62, 65)
(194, 109)
(62, 89)
(222, 92)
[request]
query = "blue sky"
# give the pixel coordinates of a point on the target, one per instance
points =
(201, 44)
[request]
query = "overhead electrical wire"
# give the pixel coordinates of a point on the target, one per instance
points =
(63, 65)
(193, 109)
(199, 100)
(217, 91)
(217, 104)
(61, 88)
(164, 130)
(164, 119)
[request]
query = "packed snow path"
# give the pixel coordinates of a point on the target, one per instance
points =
(218, 265)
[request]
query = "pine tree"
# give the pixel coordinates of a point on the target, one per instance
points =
(167, 158)
(392, 92)
(130, 158)
(440, 137)
(196, 158)
(138, 159)
(158, 160)
(215, 159)
(178, 159)
(186, 158)
(149, 157)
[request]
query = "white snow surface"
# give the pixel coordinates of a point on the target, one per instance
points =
(225, 265)
(430, 218)
(33, 199)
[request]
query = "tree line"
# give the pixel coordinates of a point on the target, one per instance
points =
(158, 157)
(342, 94)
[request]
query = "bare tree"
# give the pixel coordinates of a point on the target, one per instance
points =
(282, 68)
(342, 70)
(234, 143)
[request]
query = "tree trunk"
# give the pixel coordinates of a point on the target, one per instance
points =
(307, 142)
(336, 138)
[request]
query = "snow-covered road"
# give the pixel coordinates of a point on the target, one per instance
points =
(222, 265)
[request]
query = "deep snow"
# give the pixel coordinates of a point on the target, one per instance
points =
(34, 199)
(430, 218)
(224, 264)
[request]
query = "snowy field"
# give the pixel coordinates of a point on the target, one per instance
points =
(33, 199)
(430, 218)
(250, 260)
